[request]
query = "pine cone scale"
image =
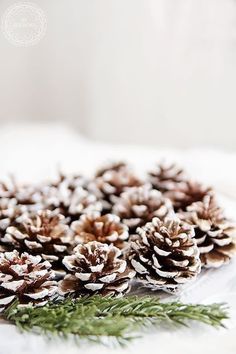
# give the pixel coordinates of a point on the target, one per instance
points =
(4, 301)
(229, 249)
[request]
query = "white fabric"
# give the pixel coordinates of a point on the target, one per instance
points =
(34, 152)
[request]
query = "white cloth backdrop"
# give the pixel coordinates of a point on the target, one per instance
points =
(34, 152)
(140, 71)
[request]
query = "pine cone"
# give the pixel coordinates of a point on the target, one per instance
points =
(139, 205)
(27, 197)
(105, 229)
(167, 177)
(111, 184)
(9, 188)
(213, 232)
(116, 166)
(71, 202)
(188, 193)
(96, 268)
(10, 212)
(25, 278)
(30, 197)
(45, 233)
(165, 255)
(72, 181)
(10, 215)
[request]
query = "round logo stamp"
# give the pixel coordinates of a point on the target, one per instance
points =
(24, 24)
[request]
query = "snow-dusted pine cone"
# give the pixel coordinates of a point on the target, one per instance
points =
(10, 213)
(27, 197)
(116, 166)
(71, 200)
(96, 268)
(167, 177)
(188, 193)
(215, 235)
(45, 233)
(105, 229)
(72, 181)
(139, 205)
(26, 278)
(165, 255)
(111, 184)
(9, 188)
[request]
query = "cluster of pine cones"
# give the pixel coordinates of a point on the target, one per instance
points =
(78, 237)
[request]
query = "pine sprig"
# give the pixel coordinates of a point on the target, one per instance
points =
(94, 317)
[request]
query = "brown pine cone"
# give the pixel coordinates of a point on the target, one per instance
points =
(9, 188)
(96, 268)
(72, 181)
(25, 278)
(27, 197)
(213, 232)
(116, 166)
(139, 205)
(30, 197)
(111, 184)
(10, 212)
(10, 215)
(167, 177)
(188, 193)
(105, 229)
(45, 233)
(165, 255)
(71, 202)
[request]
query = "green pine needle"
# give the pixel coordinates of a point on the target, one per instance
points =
(94, 317)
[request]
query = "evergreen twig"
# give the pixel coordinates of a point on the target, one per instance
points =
(94, 317)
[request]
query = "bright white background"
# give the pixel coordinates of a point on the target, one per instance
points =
(159, 72)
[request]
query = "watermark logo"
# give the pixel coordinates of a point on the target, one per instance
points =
(24, 24)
